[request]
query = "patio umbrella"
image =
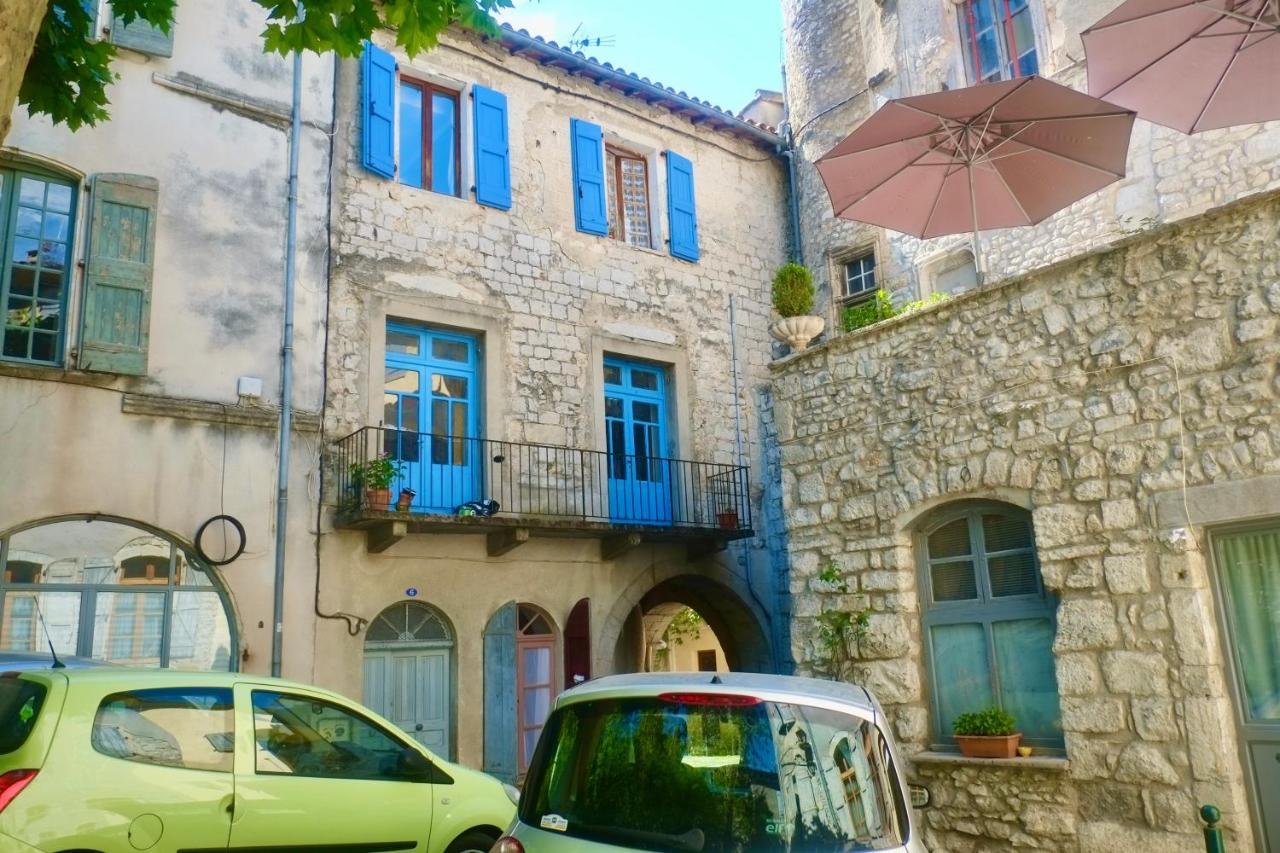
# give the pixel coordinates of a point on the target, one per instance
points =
(990, 156)
(1192, 65)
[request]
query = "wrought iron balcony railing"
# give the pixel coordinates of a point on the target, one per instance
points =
(441, 475)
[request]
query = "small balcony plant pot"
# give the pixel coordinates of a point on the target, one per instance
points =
(727, 519)
(378, 499)
(988, 746)
(405, 500)
(797, 332)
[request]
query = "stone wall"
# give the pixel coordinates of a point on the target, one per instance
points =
(1090, 393)
(913, 47)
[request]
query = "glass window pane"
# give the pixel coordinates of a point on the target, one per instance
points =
(1250, 570)
(44, 347)
(55, 226)
(645, 379)
(988, 54)
(59, 198)
(950, 540)
(953, 581)
(186, 573)
(444, 132)
(611, 191)
(22, 283)
(1028, 686)
(199, 634)
(536, 665)
(50, 283)
(16, 343)
(644, 412)
(613, 407)
(635, 201)
(191, 728)
(28, 222)
(304, 736)
(1013, 574)
(31, 191)
(536, 704)
(447, 350)
(20, 628)
(127, 627)
(612, 374)
(401, 380)
(1029, 64)
(1023, 36)
(26, 250)
(439, 426)
(617, 446)
(53, 255)
(402, 342)
(411, 151)
(1005, 532)
(409, 413)
(449, 386)
(961, 674)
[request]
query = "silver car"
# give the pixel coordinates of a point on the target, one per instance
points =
(703, 763)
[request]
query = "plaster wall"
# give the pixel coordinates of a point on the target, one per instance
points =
(216, 313)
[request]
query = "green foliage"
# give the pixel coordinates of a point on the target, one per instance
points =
(685, 625)
(376, 473)
(793, 290)
(992, 722)
(69, 71)
(830, 575)
(881, 307)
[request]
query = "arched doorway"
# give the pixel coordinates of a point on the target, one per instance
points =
(408, 672)
(113, 590)
(679, 639)
(737, 630)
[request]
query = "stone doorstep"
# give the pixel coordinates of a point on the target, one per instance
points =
(1053, 763)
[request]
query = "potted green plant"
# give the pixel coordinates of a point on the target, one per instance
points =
(373, 479)
(793, 300)
(991, 733)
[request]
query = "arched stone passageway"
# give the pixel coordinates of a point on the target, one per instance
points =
(640, 618)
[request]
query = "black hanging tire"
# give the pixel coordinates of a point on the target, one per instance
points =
(472, 841)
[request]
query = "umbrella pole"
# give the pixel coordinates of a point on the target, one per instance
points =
(977, 240)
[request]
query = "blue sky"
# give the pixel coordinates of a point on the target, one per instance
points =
(717, 50)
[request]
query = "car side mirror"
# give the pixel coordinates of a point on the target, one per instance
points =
(919, 796)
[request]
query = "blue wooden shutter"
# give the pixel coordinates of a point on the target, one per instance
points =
(378, 116)
(115, 320)
(588, 177)
(140, 36)
(682, 214)
(493, 151)
(500, 694)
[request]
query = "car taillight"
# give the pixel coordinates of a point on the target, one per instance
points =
(12, 783)
(725, 700)
(506, 844)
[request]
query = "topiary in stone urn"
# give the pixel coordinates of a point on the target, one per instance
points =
(793, 300)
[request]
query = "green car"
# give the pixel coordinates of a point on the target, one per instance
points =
(122, 760)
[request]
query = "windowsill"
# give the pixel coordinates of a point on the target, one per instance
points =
(1051, 763)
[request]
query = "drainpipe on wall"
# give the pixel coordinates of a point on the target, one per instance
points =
(286, 372)
(788, 151)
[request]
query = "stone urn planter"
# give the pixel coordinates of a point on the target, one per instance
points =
(988, 746)
(796, 332)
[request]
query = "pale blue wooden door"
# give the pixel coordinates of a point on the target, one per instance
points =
(430, 409)
(639, 471)
(408, 657)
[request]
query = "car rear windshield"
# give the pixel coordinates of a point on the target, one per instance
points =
(678, 774)
(20, 704)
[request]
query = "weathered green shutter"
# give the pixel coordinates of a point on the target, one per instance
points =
(500, 726)
(115, 320)
(140, 36)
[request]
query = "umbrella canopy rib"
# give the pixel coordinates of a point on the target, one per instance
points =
(1217, 87)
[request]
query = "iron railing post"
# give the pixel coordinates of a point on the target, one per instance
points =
(1213, 842)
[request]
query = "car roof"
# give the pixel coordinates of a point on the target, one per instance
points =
(773, 688)
(44, 660)
(141, 678)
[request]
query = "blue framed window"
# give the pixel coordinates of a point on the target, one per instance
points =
(1000, 39)
(635, 409)
(988, 621)
(37, 218)
(431, 410)
(430, 141)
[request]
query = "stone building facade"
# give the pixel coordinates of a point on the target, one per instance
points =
(914, 47)
(158, 241)
(1108, 396)
(550, 310)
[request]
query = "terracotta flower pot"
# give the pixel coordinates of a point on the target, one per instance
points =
(982, 746)
(728, 520)
(378, 499)
(796, 332)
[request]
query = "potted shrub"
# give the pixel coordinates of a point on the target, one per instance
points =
(374, 479)
(793, 300)
(987, 734)
(727, 518)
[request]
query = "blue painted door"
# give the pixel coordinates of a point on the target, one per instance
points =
(430, 410)
(635, 409)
